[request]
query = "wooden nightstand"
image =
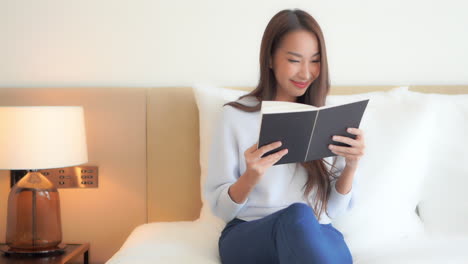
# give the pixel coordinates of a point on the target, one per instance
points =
(72, 253)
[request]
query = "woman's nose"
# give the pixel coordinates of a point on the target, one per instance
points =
(304, 73)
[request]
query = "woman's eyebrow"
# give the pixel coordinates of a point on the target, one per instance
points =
(300, 56)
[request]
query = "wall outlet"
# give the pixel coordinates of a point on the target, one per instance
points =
(73, 177)
(69, 177)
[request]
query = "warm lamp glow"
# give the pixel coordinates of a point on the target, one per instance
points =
(42, 137)
(33, 138)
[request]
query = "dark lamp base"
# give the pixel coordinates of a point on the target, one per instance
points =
(58, 250)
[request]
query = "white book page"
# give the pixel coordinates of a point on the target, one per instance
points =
(274, 107)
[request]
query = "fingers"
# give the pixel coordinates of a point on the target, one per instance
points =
(344, 151)
(356, 131)
(275, 157)
(356, 148)
(251, 149)
(352, 142)
(257, 164)
(261, 151)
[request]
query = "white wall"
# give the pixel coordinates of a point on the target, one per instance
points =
(148, 43)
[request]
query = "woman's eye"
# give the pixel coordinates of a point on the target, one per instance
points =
(315, 61)
(292, 60)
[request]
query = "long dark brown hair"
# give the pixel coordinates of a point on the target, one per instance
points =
(282, 23)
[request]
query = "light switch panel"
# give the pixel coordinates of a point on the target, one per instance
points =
(73, 177)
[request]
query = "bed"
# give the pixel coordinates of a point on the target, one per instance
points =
(421, 125)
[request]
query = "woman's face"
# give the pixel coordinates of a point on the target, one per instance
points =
(296, 64)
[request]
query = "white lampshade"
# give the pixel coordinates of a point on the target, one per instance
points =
(42, 137)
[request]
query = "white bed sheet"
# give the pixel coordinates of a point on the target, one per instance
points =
(416, 250)
(171, 242)
(197, 242)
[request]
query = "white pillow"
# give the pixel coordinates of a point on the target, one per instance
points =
(397, 126)
(389, 181)
(444, 203)
(210, 100)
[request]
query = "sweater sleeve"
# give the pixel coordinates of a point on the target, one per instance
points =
(223, 168)
(339, 203)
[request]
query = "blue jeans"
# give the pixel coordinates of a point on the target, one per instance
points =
(291, 235)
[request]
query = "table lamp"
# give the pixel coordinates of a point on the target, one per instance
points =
(33, 138)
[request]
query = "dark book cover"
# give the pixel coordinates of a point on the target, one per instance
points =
(292, 129)
(334, 121)
(307, 133)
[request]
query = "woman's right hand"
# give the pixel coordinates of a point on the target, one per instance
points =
(256, 168)
(256, 165)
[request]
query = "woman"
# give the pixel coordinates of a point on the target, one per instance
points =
(281, 214)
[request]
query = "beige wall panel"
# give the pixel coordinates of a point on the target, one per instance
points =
(173, 159)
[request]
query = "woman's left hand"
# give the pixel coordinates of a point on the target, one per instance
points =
(351, 154)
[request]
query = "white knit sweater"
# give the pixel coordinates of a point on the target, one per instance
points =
(281, 185)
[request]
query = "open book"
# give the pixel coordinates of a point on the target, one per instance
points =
(305, 130)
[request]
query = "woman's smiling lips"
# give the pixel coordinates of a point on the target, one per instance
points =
(301, 85)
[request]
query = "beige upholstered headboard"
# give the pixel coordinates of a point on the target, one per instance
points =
(173, 173)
